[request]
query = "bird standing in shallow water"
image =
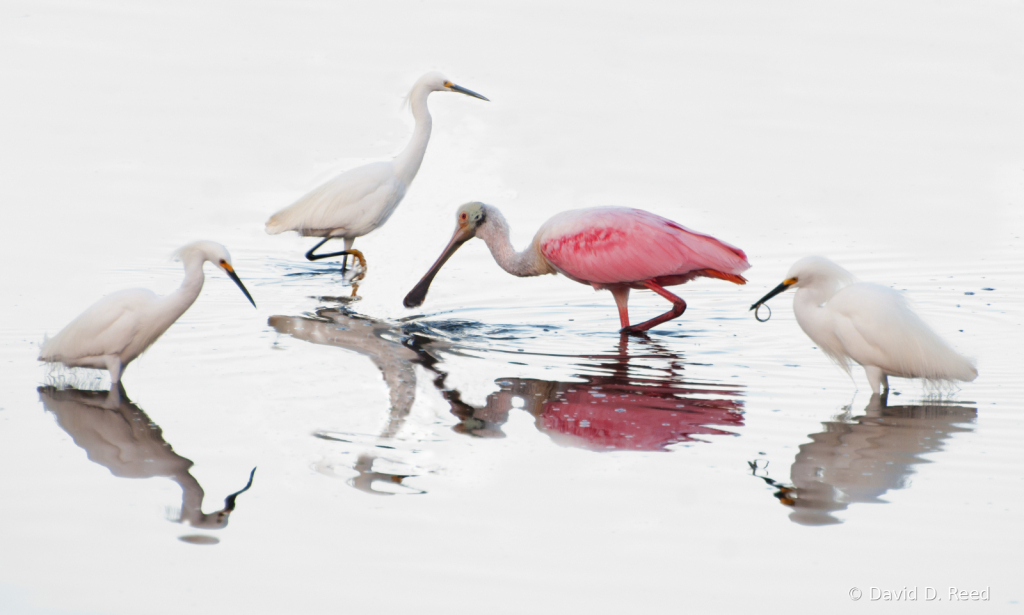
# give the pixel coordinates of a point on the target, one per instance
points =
(362, 199)
(867, 323)
(115, 330)
(614, 248)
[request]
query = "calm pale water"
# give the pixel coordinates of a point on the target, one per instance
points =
(502, 449)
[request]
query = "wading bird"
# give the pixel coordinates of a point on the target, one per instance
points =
(614, 248)
(121, 326)
(867, 323)
(362, 199)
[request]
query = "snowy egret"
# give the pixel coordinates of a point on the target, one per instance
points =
(868, 323)
(362, 199)
(121, 326)
(614, 248)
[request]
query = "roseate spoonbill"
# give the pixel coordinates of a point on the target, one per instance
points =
(115, 330)
(362, 199)
(614, 248)
(867, 323)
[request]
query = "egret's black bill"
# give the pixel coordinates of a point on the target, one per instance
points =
(234, 276)
(778, 289)
(462, 90)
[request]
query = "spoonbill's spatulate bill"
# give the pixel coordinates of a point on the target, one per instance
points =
(614, 248)
(119, 327)
(867, 323)
(362, 199)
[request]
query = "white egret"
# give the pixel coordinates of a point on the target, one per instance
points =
(362, 199)
(115, 330)
(867, 323)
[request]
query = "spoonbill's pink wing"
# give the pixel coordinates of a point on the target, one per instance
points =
(611, 245)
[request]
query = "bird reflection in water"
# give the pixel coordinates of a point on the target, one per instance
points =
(858, 460)
(382, 344)
(634, 399)
(623, 403)
(118, 435)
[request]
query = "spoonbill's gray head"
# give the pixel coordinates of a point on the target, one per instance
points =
(468, 218)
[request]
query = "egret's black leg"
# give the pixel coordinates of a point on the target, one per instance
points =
(316, 257)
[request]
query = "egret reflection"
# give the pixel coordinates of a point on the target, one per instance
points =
(382, 344)
(374, 339)
(117, 434)
(859, 459)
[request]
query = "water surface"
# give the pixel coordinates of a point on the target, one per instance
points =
(502, 447)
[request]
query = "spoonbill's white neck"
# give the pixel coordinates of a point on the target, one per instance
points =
(495, 233)
(407, 163)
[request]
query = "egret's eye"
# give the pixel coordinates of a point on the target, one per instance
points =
(463, 217)
(447, 84)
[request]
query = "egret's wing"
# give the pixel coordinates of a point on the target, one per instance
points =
(353, 200)
(105, 328)
(877, 327)
(605, 245)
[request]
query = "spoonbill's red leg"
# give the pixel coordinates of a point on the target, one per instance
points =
(621, 294)
(678, 307)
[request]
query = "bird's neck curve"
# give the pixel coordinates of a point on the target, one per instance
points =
(495, 233)
(810, 314)
(191, 497)
(185, 296)
(407, 163)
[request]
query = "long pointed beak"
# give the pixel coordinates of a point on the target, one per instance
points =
(778, 289)
(462, 90)
(419, 292)
(229, 502)
(234, 276)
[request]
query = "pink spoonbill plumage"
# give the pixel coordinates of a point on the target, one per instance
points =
(613, 248)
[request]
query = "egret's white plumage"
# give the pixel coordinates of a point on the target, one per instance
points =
(115, 330)
(362, 199)
(870, 324)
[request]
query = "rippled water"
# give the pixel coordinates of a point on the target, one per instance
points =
(502, 448)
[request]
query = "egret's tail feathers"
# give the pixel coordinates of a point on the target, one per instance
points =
(42, 347)
(964, 370)
(48, 350)
(931, 357)
(728, 277)
(275, 225)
